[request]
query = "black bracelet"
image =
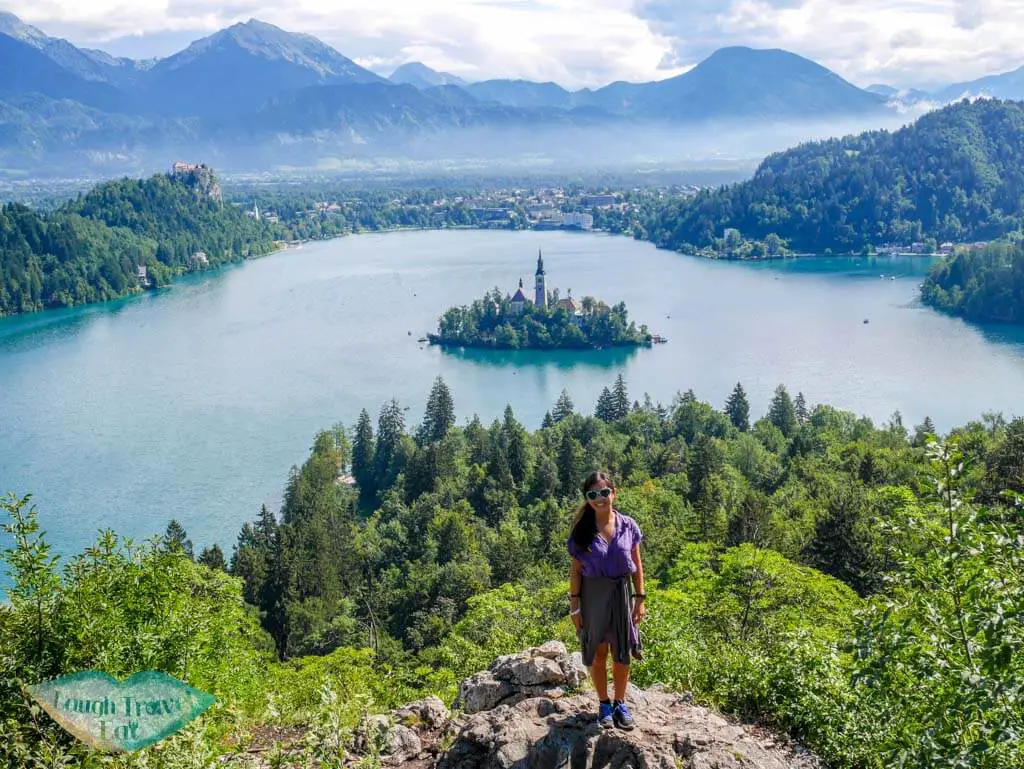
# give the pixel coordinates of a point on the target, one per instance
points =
(574, 595)
(639, 595)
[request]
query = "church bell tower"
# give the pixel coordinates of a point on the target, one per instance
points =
(541, 288)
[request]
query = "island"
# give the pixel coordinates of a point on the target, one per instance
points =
(500, 321)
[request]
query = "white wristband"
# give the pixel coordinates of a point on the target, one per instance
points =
(575, 612)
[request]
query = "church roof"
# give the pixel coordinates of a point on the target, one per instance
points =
(519, 295)
(568, 303)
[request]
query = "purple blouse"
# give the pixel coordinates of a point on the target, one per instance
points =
(609, 559)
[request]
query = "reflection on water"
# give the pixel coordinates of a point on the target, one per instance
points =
(881, 267)
(560, 359)
(28, 331)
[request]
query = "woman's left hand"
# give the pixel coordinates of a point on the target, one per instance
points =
(639, 612)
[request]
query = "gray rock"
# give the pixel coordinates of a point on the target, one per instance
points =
(534, 672)
(430, 712)
(576, 672)
(482, 691)
(553, 650)
(396, 743)
(524, 713)
(532, 734)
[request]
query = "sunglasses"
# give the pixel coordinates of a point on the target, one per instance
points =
(593, 494)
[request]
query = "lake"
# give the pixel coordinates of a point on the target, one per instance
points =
(194, 402)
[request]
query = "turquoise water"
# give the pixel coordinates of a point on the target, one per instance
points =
(194, 402)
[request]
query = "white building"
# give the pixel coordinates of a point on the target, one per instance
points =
(580, 221)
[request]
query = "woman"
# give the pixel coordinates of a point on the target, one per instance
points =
(605, 549)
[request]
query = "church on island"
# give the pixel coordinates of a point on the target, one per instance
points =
(540, 296)
(547, 322)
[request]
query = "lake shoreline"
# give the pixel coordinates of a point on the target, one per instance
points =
(210, 392)
(291, 245)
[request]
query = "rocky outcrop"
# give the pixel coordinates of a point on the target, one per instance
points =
(671, 732)
(543, 671)
(536, 710)
(527, 712)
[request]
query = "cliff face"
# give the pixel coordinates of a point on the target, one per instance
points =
(527, 711)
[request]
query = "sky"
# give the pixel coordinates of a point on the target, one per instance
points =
(577, 43)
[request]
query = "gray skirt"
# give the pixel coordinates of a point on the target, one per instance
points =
(606, 610)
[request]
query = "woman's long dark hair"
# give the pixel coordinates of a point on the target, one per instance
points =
(584, 525)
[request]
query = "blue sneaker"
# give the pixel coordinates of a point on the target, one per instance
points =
(622, 717)
(605, 715)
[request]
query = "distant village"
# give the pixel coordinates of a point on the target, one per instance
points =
(734, 245)
(545, 209)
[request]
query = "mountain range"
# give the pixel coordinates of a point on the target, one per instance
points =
(254, 93)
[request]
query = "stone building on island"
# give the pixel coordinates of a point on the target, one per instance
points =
(519, 299)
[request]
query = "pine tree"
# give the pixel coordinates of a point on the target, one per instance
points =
(570, 455)
(213, 557)
(362, 453)
(564, 407)
(440, 413)
(251, 563)
(548, 421)
(896, 426)
(738, 409)
(782, 413)
(176, 539)
(605, 409)
(386, 457)
(620, 398)
(800, 406)
(514, 437)
(266, 528)
(497, 461)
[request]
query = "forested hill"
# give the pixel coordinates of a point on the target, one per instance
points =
(982, 285)
(855, 584)
(957, 174)
(90, 249)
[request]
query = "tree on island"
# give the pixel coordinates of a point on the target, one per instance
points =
(495, 321)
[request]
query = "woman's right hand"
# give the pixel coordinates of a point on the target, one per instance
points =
(577, 620)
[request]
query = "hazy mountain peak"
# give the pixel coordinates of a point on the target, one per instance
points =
(89, 65)
(882, 89)
(1008, 85)
(266, 41)
(12, 26)
(741, 56)
(420, 75)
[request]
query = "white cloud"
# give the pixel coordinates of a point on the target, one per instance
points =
(574, 42)
(587, 42)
